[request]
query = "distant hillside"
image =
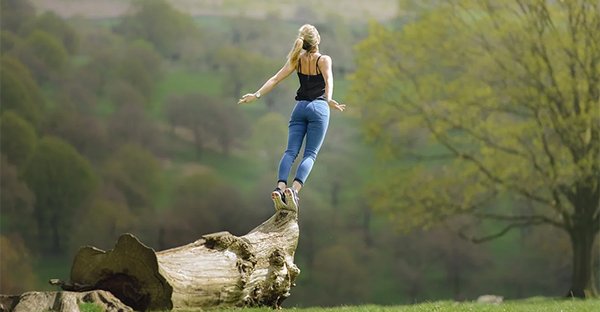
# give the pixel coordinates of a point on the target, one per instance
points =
(318, 10)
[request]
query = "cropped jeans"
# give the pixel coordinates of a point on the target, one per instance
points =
(309, 119)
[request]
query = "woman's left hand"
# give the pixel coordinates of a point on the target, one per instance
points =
(334, 104)
(247, 98)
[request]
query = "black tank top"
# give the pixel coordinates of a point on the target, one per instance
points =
(312, 87)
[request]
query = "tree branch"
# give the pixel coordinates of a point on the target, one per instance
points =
(478, 240)
(539, 13)
(523, 218)
(534, 160)
(533, 78)
(549, 154)
(541, 19)
(528, 156)
(416, 156)
(486, 140)
(441, 138)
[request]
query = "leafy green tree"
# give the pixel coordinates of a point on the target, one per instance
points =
(136, 173)
(17, 138)
(57, 27)
(140, 66)
(503, 98)
(95, 40)
(232, 127)
(18, 91)
(241, 69)
(157, 22)
(62, 180)
(45, 55)
(122, 93)
(17, 202)
(15, 13)
(130, 124)
(75, 95)
(103, 51)
(87, 133)
(16, 266)
(120, 72)
(8, 41)
(259, 35)
(209, 119)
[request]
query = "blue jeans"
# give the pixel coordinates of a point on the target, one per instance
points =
(310, 119)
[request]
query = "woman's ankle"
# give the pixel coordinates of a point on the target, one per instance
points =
(281, 185)
(297, 185)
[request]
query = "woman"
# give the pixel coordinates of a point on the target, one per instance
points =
(310, 116)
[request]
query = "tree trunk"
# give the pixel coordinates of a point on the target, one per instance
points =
(219, 269)
(198, 140)
(582, 241)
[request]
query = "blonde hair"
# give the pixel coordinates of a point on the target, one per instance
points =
(308, 39)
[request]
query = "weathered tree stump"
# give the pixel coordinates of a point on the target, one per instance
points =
(63, 301)
(219, 269)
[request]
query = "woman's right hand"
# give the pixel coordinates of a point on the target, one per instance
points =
(335, 105)
(247, 98)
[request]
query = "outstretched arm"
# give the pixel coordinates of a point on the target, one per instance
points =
(325, 66)
(283, 73)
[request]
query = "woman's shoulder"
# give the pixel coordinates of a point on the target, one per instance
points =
(324, 59)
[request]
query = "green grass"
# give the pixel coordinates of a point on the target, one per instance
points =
(527, 305)
(90, 307)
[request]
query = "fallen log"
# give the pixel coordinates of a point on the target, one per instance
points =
(67, 301)
(219, 269)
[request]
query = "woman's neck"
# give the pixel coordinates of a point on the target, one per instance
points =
(310, 54)
(313, 51)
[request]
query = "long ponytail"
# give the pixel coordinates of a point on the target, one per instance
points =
(308, 39)
(294, 54)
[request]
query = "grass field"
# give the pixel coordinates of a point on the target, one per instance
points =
(527, 305)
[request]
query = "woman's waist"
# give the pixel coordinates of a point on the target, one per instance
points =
(310, 93)
(310, 97)
(313, 102)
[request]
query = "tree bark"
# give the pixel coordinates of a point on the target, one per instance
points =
(219, 269)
